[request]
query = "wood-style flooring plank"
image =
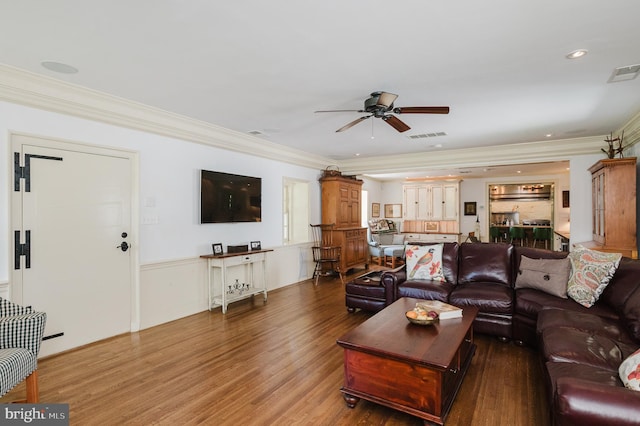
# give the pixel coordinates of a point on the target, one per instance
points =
(265, 364)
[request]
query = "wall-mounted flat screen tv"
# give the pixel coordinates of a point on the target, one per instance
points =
(226, 197)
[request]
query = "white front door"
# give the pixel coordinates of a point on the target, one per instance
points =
(76, 211)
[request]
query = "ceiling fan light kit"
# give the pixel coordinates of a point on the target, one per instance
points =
(380, 105)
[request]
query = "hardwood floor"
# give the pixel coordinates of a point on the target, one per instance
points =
(263, 364)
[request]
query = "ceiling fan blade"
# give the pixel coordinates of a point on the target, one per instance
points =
(422, 110)
(396, 123)
(353, 123)
(386, 99)
(341, 110)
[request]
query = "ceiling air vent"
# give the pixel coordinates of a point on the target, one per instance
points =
(256, 133)
(427, 135)
(624, 73)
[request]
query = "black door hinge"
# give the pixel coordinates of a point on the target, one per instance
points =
(22, 249)
(24, 172)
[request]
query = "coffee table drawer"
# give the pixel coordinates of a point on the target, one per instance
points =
(412, 388)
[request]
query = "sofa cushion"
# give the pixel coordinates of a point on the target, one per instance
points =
(591, 272)
(558, 370)
(584, 321)
(487, 297)
(630, 371)
(624, 282)
(631, 314)
(548, 275)
(565, 344)
(536, 253)
(425, 289)
(530, 303)
(424, 262)
(485, 262)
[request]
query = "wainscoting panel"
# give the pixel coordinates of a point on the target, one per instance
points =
(174, 289)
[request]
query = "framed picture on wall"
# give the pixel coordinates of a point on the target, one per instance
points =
(470, 208)
(393, 210)
(375, 209)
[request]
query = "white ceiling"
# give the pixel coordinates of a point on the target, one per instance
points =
(260, 66)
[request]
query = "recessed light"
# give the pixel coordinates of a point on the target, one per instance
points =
(519, 171)
(357, 154)
(579, 53)
(59, 67)
(549, 135)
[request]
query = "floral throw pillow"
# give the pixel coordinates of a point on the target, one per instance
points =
(629, 371)
(591, 272)
(424, 262)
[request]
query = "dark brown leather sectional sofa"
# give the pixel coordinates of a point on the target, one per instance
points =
(581, 348)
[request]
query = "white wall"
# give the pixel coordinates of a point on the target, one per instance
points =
(169, 199)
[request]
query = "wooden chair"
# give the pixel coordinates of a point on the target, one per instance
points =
(325, 254)
(21, 331)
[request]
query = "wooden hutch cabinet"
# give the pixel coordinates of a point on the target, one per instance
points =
(613, 183)
(341, 205)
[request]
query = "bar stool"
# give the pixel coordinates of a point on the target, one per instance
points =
(517, 233)
(542, 234)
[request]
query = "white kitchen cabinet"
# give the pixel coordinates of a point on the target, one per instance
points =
(416, 202)
(451, 202)
(431, 201)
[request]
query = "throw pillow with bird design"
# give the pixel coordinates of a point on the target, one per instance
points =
(425, 262)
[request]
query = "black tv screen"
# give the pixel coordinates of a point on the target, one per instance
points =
(226, 197)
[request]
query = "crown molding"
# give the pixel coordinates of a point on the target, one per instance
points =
(26, 88)
(42, 92)
(520, 153)
(631, 131)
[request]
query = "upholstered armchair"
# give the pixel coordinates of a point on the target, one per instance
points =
(21, 331)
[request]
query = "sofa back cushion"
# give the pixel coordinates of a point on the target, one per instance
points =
(624, 282)
(449, 260)
(631, 314)
(485, 262)
(535, 253)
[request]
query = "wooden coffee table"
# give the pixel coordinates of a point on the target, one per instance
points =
(412, 368)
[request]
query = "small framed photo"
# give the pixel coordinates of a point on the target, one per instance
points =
(375, 209)
(470, 208)
(255, 245)
(217, 248)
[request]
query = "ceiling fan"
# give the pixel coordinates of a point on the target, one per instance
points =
(380, 105)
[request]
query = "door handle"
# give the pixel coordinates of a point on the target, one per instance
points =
(124, 246)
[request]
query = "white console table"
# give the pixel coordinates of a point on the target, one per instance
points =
(221, 291)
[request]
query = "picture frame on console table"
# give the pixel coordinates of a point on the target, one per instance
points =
(256, 245)
(217, 249)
